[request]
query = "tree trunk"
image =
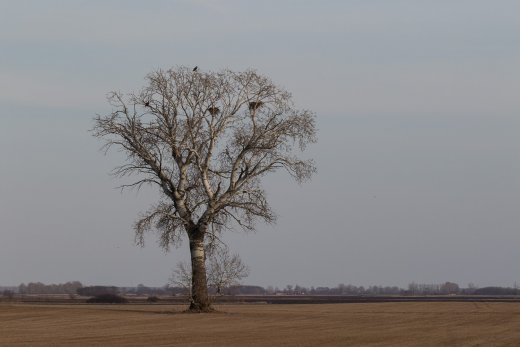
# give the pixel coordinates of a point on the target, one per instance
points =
(199, 288)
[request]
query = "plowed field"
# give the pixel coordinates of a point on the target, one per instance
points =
(374, 324)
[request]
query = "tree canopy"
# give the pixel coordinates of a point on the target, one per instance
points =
(206, 139)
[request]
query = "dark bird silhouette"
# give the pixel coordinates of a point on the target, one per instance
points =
(147, 104)
(195, 68)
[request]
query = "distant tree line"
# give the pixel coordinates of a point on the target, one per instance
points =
(341, 289)
(447, 288)
(41, 288)
(450, 288)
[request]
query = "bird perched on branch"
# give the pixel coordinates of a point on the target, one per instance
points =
(195, 68)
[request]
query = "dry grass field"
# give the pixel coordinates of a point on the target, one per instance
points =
(373, 324)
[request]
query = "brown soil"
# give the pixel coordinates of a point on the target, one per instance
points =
(374, 324)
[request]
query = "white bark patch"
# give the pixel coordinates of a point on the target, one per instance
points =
(197, 252)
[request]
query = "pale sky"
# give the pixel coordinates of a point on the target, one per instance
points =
(419, 137)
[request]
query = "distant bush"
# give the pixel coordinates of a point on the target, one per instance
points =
(9, 294)
(97, 290)
(107, 299)
(152, 299)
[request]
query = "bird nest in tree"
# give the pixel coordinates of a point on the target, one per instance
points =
(254, 105)
(213, 110)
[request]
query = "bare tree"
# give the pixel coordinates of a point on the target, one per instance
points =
(182, 276)
(206, 139)
(223, 270)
